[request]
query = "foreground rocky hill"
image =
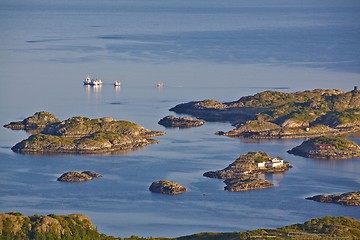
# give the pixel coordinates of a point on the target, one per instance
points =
(73, 226)
(74, 176)
(318, 228)
(85, 135)
(78, 226)
(273, 114)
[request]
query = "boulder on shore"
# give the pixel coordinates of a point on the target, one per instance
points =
(181, 122)
(78, 176)
(346, 199)
(166, 187)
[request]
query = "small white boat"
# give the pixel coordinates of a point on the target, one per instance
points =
(117, 84)
(92, 82)
(87, 80)
(96, 82)
(160, 85)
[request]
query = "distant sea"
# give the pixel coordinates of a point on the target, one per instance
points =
(199, 49)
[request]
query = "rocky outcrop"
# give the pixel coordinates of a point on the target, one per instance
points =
(327, 148)
(242, 173)
(273, 114)
(78, 176)
(166, 187)
(247, 131)
(37, 121)
(84, 135)
(211, 110)
(254, 128)
(181, 122)
(72, 226)
(346, 199)
(246, 183)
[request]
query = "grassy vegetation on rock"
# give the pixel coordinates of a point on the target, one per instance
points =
(273, 114)
(14, 226)
(327, 148)
(85, 135)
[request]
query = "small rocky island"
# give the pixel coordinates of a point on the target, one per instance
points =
(89, 136)
(243, 173)
(274, 114)
(37, 121)
(78, 176)
(346, 199)
(166, 187)
(327, 148)
(181, 122)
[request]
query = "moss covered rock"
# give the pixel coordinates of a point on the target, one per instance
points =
(78, 176)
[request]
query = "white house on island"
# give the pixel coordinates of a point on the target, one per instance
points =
(261, 165)
(275, 162)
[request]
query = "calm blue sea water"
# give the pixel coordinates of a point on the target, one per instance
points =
(199, 49)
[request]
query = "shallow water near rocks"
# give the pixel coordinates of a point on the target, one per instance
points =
(199, 51)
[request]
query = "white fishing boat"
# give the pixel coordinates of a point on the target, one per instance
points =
(92, 82)
(117, 84)
(96, 82)
(160, 85)
(87, 80)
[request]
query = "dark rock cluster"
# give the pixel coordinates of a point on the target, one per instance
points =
(78, 176)
(166, 187)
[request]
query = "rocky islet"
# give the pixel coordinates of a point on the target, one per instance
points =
(85, 135)
(274, 114)
(327, 148)
(74, 176)
(37, 121)
(242, 174)
(167, 187)
(171, 121)
(346, 199)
